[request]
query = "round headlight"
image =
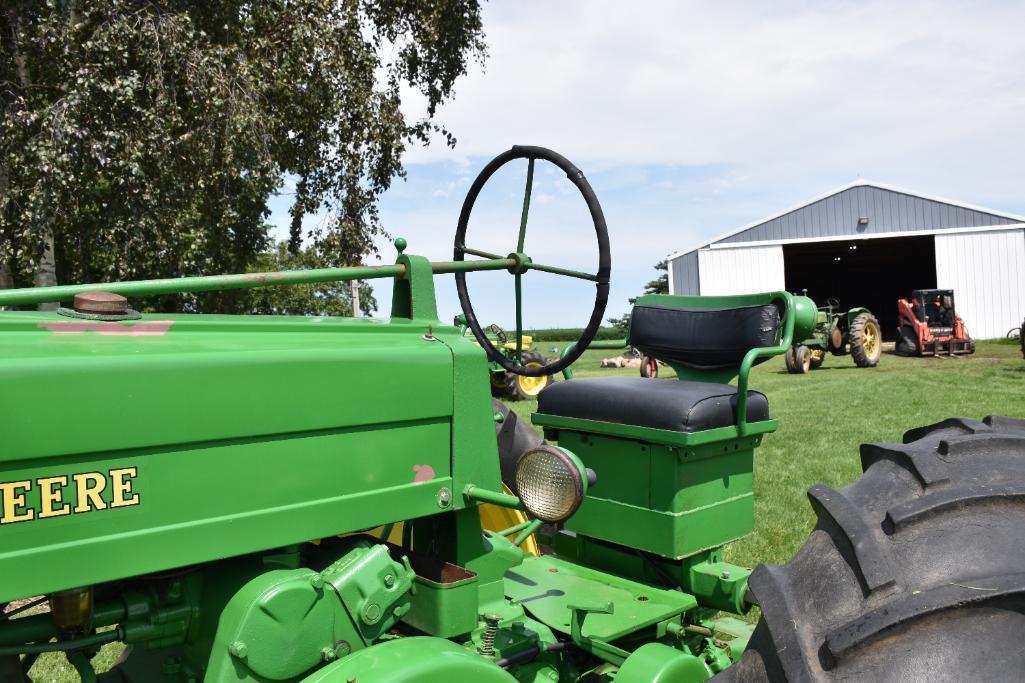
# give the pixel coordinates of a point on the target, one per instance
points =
(550, 482)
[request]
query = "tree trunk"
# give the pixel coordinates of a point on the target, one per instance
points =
(6, 278)
(45, 271)
(45, 274)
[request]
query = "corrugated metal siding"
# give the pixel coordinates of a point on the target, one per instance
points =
(986, 270)
(685, 275)
(742, 270)
(887, 211)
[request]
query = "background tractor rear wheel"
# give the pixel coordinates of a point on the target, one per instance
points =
(649, 367)
(522, 388)
(802, 359)
(866, 339)
(915, 572)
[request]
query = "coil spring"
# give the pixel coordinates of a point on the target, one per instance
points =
(487, 639)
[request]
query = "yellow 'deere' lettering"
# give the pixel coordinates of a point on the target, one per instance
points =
(13, 500)
(89, 486)
(121, 484)
(51, 501)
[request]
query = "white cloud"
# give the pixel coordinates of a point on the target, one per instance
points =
(914, 92)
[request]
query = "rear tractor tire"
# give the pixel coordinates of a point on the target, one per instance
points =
(913, 573)
(522, 388)
(866, 340)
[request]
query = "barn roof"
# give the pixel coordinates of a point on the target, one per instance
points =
(843, 212)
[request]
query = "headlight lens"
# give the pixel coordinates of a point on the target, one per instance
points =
(550, 483)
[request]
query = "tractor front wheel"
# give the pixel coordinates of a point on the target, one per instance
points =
(649, 367)
(913, 572)
(866, 340)
(522, 388)
(802, 360)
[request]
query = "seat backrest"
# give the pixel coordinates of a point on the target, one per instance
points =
(704, 338)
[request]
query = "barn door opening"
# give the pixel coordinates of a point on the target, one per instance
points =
(872, 273)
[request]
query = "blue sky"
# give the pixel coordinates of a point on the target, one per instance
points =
(693, 119)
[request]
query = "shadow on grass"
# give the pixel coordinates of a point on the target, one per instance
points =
(820, 369)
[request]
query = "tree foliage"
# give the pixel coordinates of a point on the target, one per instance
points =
(327, 298)
(143, 139)
(659, 285)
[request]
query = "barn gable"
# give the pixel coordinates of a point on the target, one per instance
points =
(888, 210)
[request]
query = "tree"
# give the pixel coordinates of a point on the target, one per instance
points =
(143, 139)
(327, 298)
(659, 285)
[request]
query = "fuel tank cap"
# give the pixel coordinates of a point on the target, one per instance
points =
(103, 306)
(103, 303)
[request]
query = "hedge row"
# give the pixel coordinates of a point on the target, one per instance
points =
(570, 334)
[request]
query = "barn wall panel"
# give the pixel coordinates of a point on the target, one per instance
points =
(986, 270)
(743, 270)
(683, 277)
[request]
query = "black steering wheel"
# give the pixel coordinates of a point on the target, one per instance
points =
(523, 263)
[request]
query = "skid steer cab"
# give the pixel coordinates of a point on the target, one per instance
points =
(200, 494)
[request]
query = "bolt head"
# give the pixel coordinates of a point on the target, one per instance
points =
(389, 580)
(372, 613)
(238, 649)
(725, 574)
(317, 581)
(328, 654)
(444, 498)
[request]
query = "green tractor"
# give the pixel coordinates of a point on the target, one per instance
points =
(504, 383)
(855, 331)
(202, 489)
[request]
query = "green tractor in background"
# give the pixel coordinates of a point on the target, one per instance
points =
(855, 331)
(207, 490)
(506, 384)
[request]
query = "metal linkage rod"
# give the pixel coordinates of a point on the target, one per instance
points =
(37, 295)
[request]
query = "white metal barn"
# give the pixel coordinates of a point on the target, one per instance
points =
(868, 244)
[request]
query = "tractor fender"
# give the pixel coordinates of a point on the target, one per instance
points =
(658, 663)
(410, 660)
(854, 313)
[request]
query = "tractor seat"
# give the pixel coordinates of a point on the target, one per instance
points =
(674, 405)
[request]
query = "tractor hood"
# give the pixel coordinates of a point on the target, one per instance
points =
(133, 447)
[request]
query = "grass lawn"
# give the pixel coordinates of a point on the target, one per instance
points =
(823, 417)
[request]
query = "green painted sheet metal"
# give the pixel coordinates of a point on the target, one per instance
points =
(198, 378)
(218, 452)
(547, 586)
(411, 660)
(674, 501)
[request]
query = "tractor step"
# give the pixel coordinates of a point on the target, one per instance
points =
(548, 586)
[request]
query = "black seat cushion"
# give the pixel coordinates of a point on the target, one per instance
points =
(703, 337)
(675, 405)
